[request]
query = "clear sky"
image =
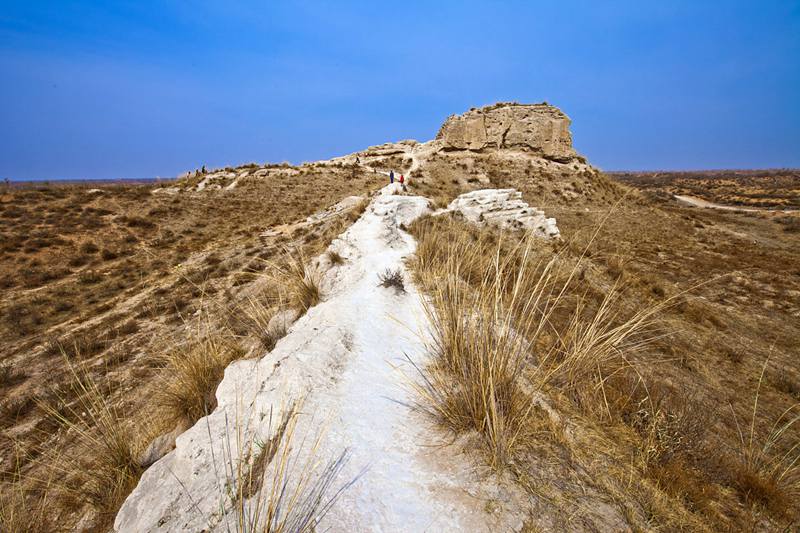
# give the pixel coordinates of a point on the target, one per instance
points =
(141, 88)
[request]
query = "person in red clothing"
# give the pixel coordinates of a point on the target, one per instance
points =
(402, 182)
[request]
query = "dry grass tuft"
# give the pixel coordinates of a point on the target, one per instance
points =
(478, 307)
(300, 282)
(191, 375)
(253, 317)
(358, 209)
(767, 467)
(10, 374)
(592, 348)
(107, 469)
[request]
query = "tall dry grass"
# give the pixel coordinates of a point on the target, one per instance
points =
(24, 509)
(253, 316)
(281, 485)
(509, 319)
(767, 468)
(593, 347)
(108, 468)
(299, 281)
(190, 376)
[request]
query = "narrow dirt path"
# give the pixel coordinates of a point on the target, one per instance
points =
(347, 358)
(699, 202)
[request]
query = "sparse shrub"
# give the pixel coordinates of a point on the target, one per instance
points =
(212, 260)
(672, 424)
(241, 278)
(10, 375)
(15, 408)
(6, 371)
(658, 290)
(615, 266)
(35, 277)
(22, 318)
(392, 279)
(128, 327)
(62, 306)
(137, 222)
(335, 258)
(791, 224)
(88, 247)
(735, 354)
(785, 382)
(14, 212)
(82, 344)
(117, 355)
(78, 260)
(108, 255)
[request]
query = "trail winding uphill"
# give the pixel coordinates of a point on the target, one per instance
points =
(347, 357)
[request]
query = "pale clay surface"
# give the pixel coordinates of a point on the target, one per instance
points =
(503, 208)
(347, 356)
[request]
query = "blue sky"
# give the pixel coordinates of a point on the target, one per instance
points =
(139, 89)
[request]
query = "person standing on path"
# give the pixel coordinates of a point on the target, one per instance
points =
(391, 176)
(402, 182)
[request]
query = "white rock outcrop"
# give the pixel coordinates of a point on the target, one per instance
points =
(503, 208)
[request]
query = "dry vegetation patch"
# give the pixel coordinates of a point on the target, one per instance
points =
(559, 362)
(127, 305)
(767, 189)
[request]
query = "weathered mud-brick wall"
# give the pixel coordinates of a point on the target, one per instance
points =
(541, 128)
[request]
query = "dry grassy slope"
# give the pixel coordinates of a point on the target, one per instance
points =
(117, 277)
(735, 280)
(158, 259)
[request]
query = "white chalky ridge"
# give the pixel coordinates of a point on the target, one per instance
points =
(347, 357)
(504, 208)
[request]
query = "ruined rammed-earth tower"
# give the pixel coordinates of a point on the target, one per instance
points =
(539, 128)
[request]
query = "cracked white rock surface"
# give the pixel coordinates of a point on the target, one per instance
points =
(347, 357)
(504, 208)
